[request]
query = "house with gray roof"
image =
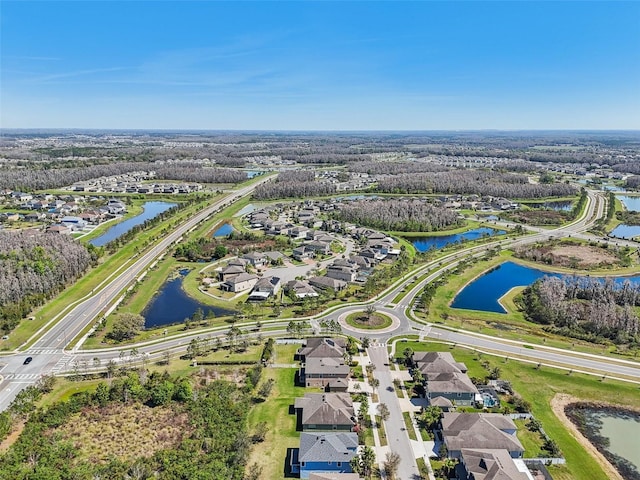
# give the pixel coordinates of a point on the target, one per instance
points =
(320, 372)
(325, 283)
(320, 347)
(300, 289)
(230, 271)
(479, 431)
(325, 411)
(324, 453)
(257, 259)
(264, 288)
(491, 464)
(454, 386)
(334, 476)
(239, 283)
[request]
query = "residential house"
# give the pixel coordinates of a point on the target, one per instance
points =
(274, 257)
(239, 283)
(320, 372)
(325, 283)
(264, 288)
(300, 289)
(334, 476)
(437, 362)
(492, 464)
(321, 347)
(479, 431)
(230, 271)
(319, 246)
(61, 229)
(324, 453)
(346, 274)
(257, 259)
(456, 387)
(325, 411)
(298, 232)
(302, 252)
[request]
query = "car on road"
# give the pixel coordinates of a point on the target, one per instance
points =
(27, 360)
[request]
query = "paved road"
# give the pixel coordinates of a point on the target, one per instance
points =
(47, 351)
(397, 436)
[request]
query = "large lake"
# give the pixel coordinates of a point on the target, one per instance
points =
(423, 244)
(172, 305)
(484, 292)
(150, 210)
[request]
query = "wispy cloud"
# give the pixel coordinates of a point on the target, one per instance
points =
(76, 73)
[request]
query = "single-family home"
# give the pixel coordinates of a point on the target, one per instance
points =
(230, 271)
(239, 283)
(324, 453)
(325, 411)
(320, 372)
(257, 259)
(346, 274)
(325, 283)
(302, 252)
(479, 431)
(492, 464)
(319, 246)
(300, 289)
(333, 476)
(264, 288)
(298, 232)
(453, 386)
(321, 347)
(60, 229)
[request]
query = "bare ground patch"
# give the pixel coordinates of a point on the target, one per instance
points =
(572, 256)
(124, 431)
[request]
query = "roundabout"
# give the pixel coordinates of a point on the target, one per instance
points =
(372, 323)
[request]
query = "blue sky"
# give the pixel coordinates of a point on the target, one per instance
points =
(320, 65)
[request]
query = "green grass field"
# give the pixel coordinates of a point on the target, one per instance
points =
(538, 387)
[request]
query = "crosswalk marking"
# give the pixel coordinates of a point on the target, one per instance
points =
(44, 351)
(61, 364)
(22, 376)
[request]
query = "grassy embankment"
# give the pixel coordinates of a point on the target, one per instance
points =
(85, 285)
(511, 325)
(538, 386)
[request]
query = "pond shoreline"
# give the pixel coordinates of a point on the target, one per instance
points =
(563, 402)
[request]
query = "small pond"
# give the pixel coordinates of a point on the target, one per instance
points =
(630, 203)
(246, 210)
(422, 244)
(252, 174)
(223, 231)
(150, 210)
(559, 205)
(172, 305)
(485, 291)
(626, 231)
(621, 429)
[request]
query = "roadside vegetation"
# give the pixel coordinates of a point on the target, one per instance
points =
(526, 380)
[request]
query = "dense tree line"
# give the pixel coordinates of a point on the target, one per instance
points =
(33, 268)
(293, 183)
(194, 172)
(398, 214)
(632, 182)
(394, 168)
(215, 449)
(584, 307)
(479, 182)
(30, 179)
